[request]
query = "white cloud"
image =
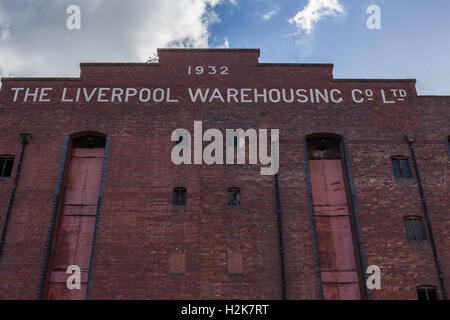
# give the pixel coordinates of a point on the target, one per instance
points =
(5, 27)
(225, 45)
(5, 31)
(268, 15)
(316, 10)
(34, 40)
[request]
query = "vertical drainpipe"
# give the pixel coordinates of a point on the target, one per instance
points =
(410, 140)
(51, 227)
(355, 217)
(97, 218)
(24, 139)
(280, 238)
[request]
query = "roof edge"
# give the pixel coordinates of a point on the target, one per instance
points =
(39, 79)
(375, 80)
(87, 64)
(208, 50)
(433, 96)
(288, 64)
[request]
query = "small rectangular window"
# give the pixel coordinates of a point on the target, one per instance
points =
(427, 294)
(177, 263)
(234, 197)
(401, 168)
(415, 229)
(179, 197)
(6, 166)
(234, 263)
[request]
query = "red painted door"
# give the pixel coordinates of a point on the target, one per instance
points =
(336, 250)
(74, 238)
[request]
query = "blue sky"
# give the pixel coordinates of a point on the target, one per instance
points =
(414, 41)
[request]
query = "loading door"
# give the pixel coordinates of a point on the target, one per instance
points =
(74, 238)
(334, 232)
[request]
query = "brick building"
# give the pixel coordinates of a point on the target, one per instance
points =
(87, 179)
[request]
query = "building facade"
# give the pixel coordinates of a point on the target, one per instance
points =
(360, 183)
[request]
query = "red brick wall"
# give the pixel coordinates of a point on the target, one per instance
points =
(139, 230)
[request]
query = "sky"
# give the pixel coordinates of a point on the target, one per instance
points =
(413, 40)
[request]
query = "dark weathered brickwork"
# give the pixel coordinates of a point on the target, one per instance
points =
(148, 249)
